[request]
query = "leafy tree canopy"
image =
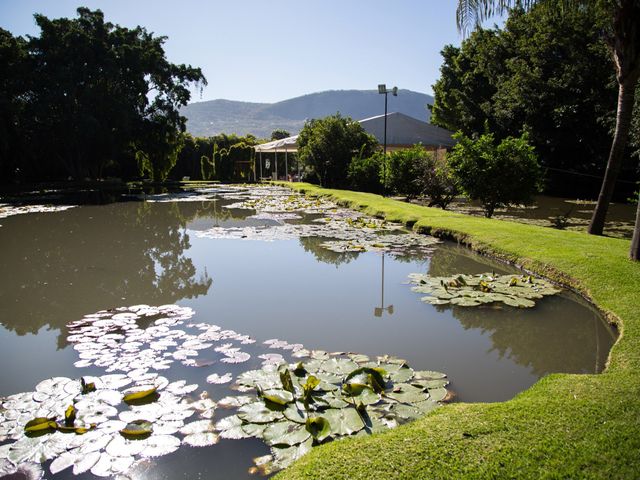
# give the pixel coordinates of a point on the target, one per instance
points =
(496, 174)
(536, 75)
(327, 145)
(93, 95)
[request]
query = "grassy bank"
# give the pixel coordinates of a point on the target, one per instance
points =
(565, 426)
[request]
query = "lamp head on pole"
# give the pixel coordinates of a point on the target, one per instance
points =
(382, 88)
(395, 91)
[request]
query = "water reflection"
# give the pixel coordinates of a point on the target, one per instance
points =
(378, 311)
(550, 336)
(63, 266)
(324, 255)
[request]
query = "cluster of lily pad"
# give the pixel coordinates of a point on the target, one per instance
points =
(485, 288)
(100, 424)
(344, 229)
(113, 339)
(7, 210)
(327, 397)
(108, 424)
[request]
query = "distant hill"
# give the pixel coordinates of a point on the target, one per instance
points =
(260, 119)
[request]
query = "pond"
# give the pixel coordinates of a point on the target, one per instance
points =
(133, 288)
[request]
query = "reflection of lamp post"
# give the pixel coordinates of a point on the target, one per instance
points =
(382, 89)
(377, 311)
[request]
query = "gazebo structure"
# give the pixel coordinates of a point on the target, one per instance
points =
(403, 132)
(285, 145)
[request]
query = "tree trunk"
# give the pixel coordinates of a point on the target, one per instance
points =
(626, 91)
(634, 252)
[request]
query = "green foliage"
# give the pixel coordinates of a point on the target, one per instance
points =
(495, 174)
(85, 96)
(328, 145)
(436, 180)
(279, 134)
(403, 169)
(535, 75)
(364, 174)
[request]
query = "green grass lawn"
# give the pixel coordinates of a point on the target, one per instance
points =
(565, 426)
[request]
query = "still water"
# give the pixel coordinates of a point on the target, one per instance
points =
(60, 266)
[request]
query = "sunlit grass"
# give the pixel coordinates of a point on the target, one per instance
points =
(565, 426)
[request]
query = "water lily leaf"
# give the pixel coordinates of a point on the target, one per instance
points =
(87, 387)
(234, 402)
(285, 379)
(283, 457)
(198, 426)
(108, 466)
(266, 379)
(258, 412)
(158, 445)
(366, 397)
(407, 393)
(294, 414)
(318, 427)
(358, 358)
(344, 421)
(401, 375)
(438, 394)
(201, 439)
(429, 384)
(254, 429)
(231, 427)
(277, 396)
(428, 375)
(141, 397)
(137, 429)
(402, 412)
(40, 425)
(373, 377)
(339, 366)
(285, 433)
(70, 416)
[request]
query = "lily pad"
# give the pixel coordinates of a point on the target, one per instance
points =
(258, 412)
(344, 421)
(285, 433)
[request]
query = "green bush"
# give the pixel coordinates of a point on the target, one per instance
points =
(436, 180)
(364, 174)
(495, 174)
(329, 144)
(404, 167)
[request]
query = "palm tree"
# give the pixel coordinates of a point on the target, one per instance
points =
(622, 35)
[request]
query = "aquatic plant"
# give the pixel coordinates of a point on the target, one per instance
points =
(474, 290)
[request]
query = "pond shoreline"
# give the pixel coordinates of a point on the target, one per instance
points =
(564, 425)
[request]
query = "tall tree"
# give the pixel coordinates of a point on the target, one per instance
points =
(534, 75)
(329, 144)
(91, 90)
(622, 35)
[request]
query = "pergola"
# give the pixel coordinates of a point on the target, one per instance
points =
(284, 145)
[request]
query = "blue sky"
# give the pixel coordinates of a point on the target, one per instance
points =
(271, 50)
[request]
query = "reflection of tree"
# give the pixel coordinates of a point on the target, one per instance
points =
(559, 334)
(65, 265)
(312, 244)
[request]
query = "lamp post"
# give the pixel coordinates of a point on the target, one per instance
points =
(382, 89)
(378, 311)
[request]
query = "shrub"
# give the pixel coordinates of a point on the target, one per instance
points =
(437, 181)
(495, 174)
(364, 174)
(404, 169)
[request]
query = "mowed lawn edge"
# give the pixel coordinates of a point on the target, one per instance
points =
(564, 426)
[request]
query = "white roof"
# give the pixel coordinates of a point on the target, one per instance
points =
(289, 144)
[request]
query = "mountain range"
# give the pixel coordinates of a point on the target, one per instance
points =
(260, 119)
